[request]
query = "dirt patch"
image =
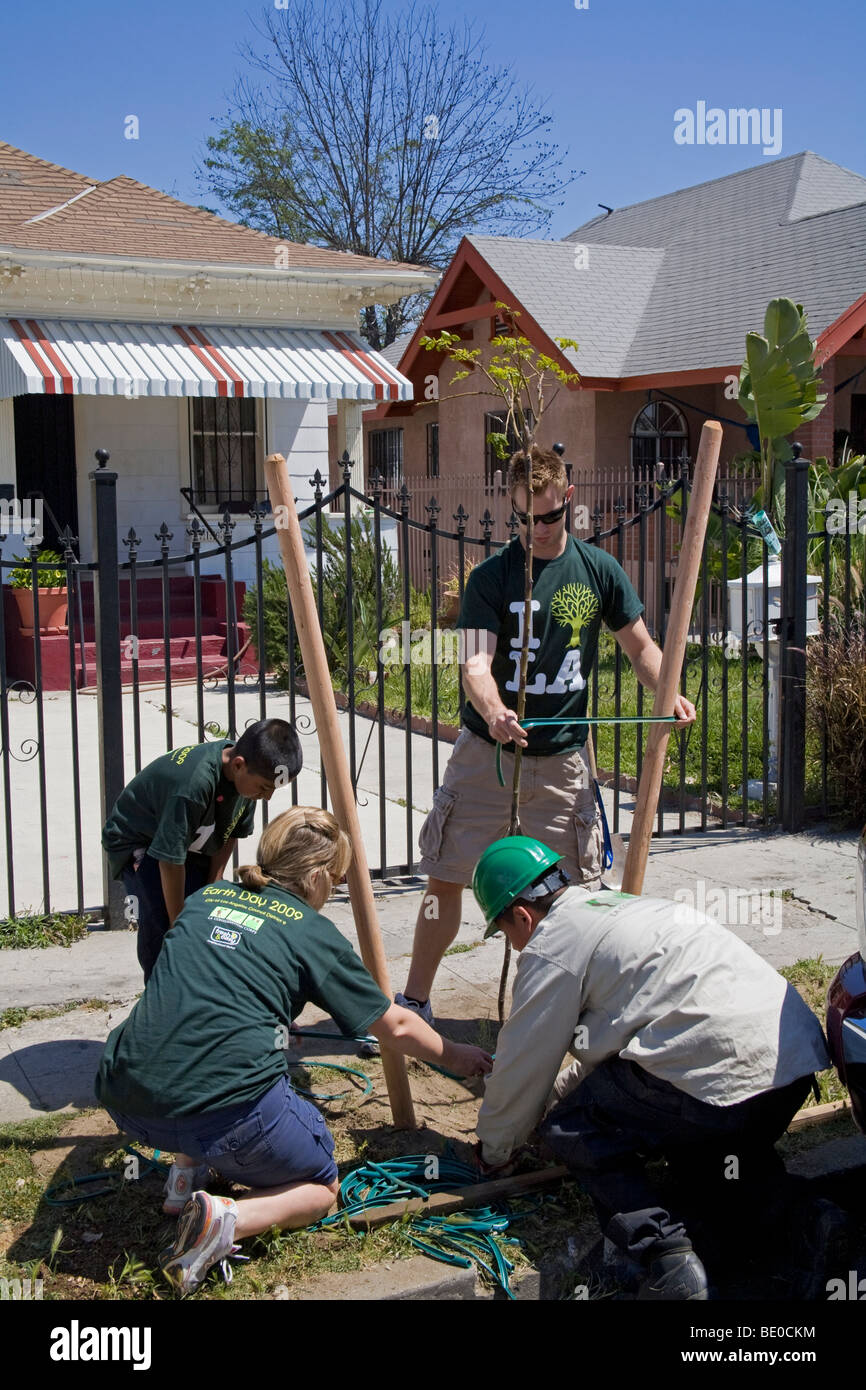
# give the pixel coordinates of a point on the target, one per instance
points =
(80, 1147)
(108, 1246)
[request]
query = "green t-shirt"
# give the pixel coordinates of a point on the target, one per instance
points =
(180, 807)
(571, 597)
(210, 1028)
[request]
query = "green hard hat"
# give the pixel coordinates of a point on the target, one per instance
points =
(504, 870)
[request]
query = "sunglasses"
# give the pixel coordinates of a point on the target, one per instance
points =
(547, 519)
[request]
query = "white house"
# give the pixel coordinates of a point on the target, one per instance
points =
(187, 346)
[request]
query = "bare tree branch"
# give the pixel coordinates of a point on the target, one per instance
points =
(384, 135)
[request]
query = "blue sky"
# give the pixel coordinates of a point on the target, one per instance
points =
(613, 75)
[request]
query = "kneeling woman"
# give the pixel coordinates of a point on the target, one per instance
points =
(199, 1069)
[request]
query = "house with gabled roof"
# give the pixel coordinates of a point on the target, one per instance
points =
(187, 346)
(659, 296)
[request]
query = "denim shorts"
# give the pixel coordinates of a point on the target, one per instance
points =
(280, 1138)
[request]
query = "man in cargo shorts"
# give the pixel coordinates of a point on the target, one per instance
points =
(576, 588)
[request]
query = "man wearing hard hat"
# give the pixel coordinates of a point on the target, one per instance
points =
(687, 1045)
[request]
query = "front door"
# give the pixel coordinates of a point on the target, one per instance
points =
(45, 460)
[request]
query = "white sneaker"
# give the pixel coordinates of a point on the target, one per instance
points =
(181, 1183)
(205, 1237)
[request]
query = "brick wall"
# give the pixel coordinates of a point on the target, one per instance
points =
(817, 436)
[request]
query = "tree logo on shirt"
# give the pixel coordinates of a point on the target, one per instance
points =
(573, 606)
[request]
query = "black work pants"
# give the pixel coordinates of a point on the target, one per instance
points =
(723, 1157)
(144, 886)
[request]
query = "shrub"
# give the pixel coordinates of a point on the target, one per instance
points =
(332, 585)
(836, 709)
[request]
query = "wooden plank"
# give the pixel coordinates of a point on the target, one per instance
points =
(818, 1114)
(441, 1203)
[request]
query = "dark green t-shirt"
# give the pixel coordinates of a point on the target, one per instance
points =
(571, 597)
(180, 807)
(210, 1028)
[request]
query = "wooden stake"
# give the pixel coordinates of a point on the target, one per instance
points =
(672, 657)
(334, 759)
(441, 1203)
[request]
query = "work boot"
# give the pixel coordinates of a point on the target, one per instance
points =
(819, 1246)
(673, 1272)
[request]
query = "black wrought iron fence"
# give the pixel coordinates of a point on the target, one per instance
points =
(177, 648)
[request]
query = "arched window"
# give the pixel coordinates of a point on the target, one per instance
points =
(659, 436)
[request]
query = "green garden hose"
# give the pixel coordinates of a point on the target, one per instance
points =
(462, 1239)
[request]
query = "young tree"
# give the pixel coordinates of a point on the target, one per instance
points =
(383, 135)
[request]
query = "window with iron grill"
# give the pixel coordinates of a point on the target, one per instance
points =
(386, 456)
(223, 446)
(433, 450)
(659, 437)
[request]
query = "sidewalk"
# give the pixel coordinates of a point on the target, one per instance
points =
(49, 1064)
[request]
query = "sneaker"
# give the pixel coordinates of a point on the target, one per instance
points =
(422, 1010)
(371, 1049)
(675, 1273)
(181, 1183)
(205, 1237)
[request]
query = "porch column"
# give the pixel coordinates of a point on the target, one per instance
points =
(7, 441)
(350, 439)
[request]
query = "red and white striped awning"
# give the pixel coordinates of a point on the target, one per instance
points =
(72, 358)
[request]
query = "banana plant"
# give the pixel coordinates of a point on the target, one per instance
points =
(779, 392)
(837, 504)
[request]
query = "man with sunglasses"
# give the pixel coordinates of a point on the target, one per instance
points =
(576, 588)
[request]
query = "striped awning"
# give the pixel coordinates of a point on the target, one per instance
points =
(72, 358)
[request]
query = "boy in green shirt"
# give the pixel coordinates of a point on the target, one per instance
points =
(175, 825)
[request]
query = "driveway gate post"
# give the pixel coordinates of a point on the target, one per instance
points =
(792, 760)
(109, 692)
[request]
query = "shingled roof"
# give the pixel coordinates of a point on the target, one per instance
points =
(673, 284)
(121, 217)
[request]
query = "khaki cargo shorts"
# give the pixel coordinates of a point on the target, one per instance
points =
(470, 810)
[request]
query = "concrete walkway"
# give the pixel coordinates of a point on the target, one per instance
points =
(788, 896)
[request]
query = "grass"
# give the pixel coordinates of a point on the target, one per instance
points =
(811, 978)
(462, 946)
(29, 929)
(723, 690)
(15, 1017)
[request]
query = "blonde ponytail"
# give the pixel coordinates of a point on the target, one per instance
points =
(296, 846)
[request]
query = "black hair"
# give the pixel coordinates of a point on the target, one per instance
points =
(269, 747)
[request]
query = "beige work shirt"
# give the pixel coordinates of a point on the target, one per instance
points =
(655, 982)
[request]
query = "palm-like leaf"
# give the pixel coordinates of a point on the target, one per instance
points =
(779, 389)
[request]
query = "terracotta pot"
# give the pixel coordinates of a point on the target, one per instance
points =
(450, 608)
(52, 609)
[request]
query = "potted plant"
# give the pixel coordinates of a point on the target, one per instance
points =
(451, 592)
(52, 592)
